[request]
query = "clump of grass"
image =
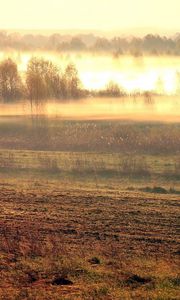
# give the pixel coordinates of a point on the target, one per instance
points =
(159, 190)
(49, 163)
(131, 166)
(135, 281)
(174, 191)
(155, 189)
(96, 293)
(169, 282)
(130, 188)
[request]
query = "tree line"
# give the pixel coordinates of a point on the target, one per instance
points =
(42, 80)
(149, 44)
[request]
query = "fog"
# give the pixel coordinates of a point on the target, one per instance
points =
(133, 108)
(158, 74)
(152, 73)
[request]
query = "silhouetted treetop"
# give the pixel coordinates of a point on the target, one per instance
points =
(11, 86)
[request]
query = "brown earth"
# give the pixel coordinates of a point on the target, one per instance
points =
(119, 227)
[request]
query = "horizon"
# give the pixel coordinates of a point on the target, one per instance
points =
(125, 33)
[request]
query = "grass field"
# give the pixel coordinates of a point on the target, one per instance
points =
(89, 210)
(107, 244)
(111, 170)
(107, 136)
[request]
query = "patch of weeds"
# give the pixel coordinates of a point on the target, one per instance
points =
(93, 276)
(135, 281)
(61, 281)
(169, 282)
(159, 190)
(173, 191)
(155, 189)
(130, 188)
(96, 293)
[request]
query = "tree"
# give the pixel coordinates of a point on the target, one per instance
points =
(102, 44)
(42, 80)
(11, 86)
(77, 44)
(148, 98)
(71, 82)
(112, 89)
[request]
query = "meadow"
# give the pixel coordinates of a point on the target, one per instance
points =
(88, 209)
(90, 187)
(89, 150)
(63, 241)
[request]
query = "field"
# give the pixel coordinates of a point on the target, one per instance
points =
(89, 209)
(107, 244)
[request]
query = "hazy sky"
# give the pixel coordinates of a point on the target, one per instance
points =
(89, 14)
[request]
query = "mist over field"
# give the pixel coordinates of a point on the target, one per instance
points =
(102, 108)
(133, 74)
(136, 77)
(89, 150)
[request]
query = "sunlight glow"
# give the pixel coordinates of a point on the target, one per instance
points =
(131, 15)
(145, 74)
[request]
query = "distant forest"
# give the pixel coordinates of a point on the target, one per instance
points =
(149, 44)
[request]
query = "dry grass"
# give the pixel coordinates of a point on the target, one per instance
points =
(55, 134)
(95, 225)
(109, 244)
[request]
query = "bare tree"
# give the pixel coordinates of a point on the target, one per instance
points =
(11, 86)
(72, 82)
(42, 80)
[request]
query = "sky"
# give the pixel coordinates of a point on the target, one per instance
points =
(90, 14)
